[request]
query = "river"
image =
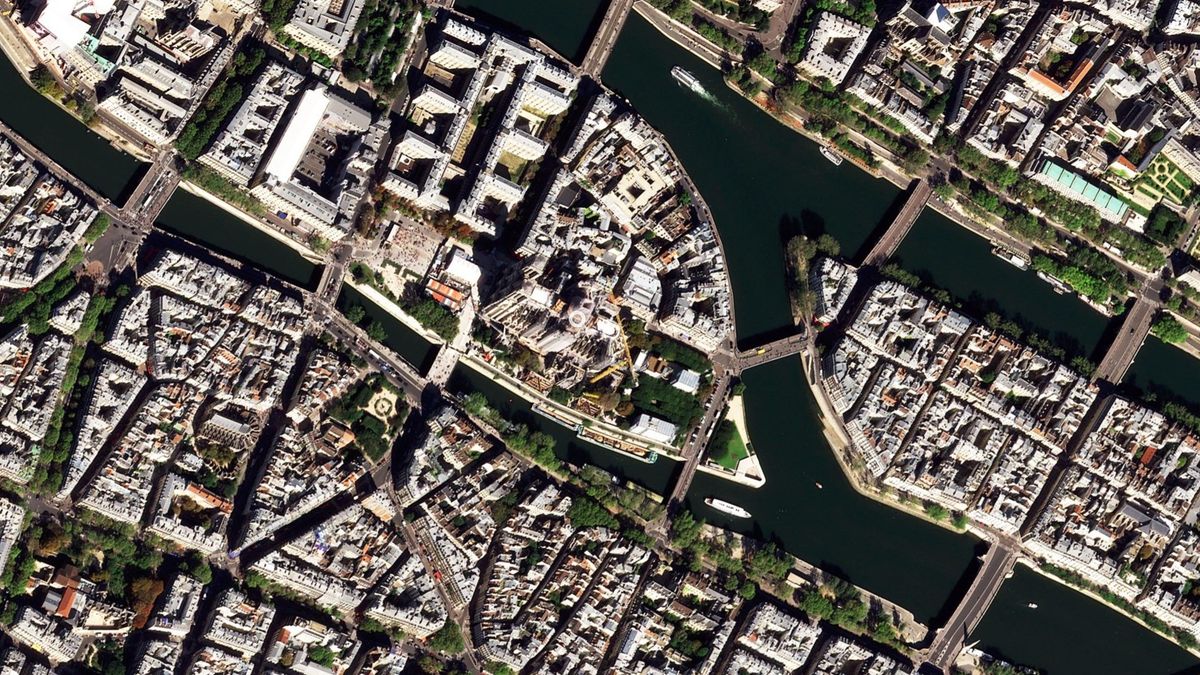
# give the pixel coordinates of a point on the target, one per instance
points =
(78, 149)
(1070, 633)
(763, 183)
(403, 340)
(1167, 372)
(199, 220)
(569, 447)
(960, 261)
(564, 25)
(809, 507)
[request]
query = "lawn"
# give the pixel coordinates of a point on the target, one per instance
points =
(727, 447)
(734, 452)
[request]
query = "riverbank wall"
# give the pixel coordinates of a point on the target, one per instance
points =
(395, 311)
(569, 418)
(305, 252)
(1033, 565)
(749, 470)
(711, 54)
(839, 442)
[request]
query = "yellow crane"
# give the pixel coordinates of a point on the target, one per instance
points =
(627, 362)
(625, 345)
(606, 372)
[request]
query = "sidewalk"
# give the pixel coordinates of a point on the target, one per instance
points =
(683, 36)
(15, 48)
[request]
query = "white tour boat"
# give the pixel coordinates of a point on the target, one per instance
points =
(727, 508)
(686, 78)
(831, 155)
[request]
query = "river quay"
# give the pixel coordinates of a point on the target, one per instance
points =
(199, 219)
(1069, 632)
(410, 345)
(657, 476)
(261, 226)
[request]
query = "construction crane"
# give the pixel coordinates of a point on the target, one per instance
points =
(625, 343)
(607, 371)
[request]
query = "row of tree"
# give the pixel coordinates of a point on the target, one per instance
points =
(229, 91)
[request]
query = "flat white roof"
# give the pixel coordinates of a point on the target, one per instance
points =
(300, 129)
(462, 268)
(654, 428)
(62, 26)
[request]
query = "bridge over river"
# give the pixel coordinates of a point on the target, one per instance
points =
(133, 220)
(605, 38)
(900, 225)
(997, 564)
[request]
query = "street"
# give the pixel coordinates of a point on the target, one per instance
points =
(1132, 335)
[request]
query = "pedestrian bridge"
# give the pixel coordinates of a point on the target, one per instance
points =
(901, 224)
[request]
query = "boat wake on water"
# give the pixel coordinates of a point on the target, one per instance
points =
(685, 78)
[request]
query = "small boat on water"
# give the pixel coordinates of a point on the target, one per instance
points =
(1012, 258)
(831, 155)
(686, 78)
(1058, 286)
(727, 508)
(819, 486)
(1032, 605)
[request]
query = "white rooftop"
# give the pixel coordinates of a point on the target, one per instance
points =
(299, 132)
